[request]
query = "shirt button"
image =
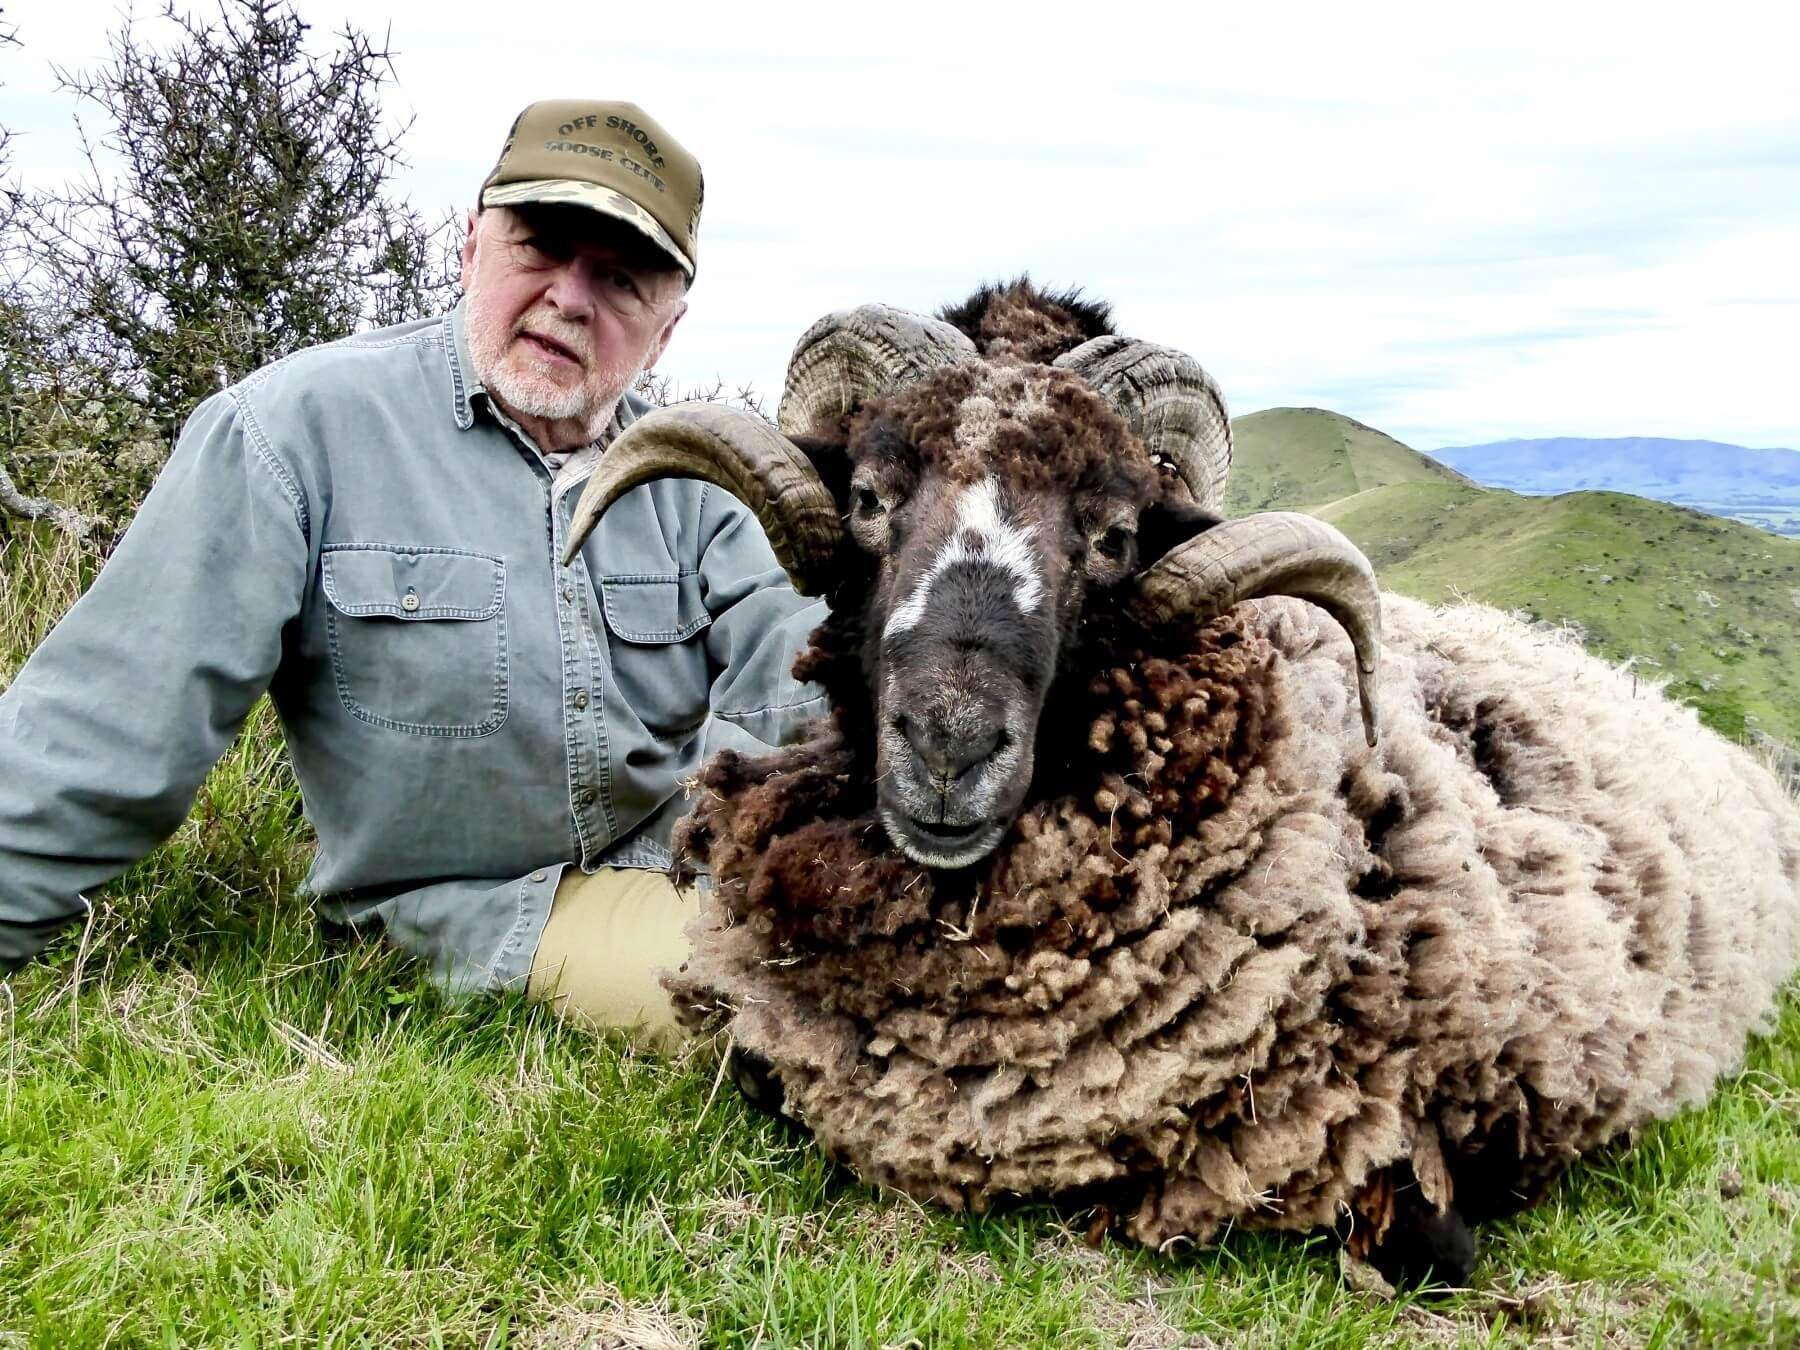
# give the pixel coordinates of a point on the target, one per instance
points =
(409, 602)
(581, 698)
(585, 797)
(568, 594)
(537, 876)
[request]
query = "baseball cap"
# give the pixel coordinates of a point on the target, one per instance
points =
(613, 158)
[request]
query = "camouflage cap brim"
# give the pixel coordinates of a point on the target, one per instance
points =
(595, 197)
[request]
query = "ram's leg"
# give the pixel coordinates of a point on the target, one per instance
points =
(1495, 1182)
(1426, 1247)
(1408, 1239)
(755, 1077)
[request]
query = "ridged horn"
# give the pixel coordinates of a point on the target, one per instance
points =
(1272, 553)
(739, 452)
(856, 354)
(1171, 404)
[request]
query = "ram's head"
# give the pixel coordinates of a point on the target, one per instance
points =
(964, 511)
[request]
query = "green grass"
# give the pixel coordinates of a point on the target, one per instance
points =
(1707, 606)
(1694, 600)
(219, 1124)
(1299, 459)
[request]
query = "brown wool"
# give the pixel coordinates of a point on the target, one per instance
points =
(1055, 430)
(1252, 962)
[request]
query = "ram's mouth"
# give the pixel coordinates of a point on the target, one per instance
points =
(939, 845)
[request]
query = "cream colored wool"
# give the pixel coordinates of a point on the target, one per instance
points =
(1548, 907)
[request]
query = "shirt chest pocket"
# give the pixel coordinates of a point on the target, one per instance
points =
(417, 636)
(657, 626)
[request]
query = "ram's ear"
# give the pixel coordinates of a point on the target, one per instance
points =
(831, 461)
(1166, 525)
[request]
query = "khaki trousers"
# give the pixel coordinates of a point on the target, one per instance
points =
(608, 936)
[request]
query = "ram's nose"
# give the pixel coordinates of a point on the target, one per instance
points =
(951, 747)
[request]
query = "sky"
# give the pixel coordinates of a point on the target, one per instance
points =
(1454, 223)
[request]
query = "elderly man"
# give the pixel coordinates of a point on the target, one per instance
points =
(490, 745)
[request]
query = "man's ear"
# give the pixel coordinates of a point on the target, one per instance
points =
(831, 462)
(1168, 524)
(661, 344)
(468, 248)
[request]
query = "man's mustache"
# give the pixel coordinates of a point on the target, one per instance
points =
(571, 339)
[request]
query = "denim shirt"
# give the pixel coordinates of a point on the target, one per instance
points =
(357, 530)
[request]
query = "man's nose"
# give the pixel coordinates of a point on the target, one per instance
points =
(572, 289)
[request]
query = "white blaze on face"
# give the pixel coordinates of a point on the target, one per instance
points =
(981, 537)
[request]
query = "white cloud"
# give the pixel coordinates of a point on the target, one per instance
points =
(1454, 223)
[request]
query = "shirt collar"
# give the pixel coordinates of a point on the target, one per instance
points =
(463, 383)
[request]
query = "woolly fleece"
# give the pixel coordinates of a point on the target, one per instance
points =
(1232, 963)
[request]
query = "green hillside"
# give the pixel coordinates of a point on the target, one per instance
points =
(1710, 605)
(1302, 458)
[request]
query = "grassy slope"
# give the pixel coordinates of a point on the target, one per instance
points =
(218, 1125)
(1711, 605)
(1299, 459)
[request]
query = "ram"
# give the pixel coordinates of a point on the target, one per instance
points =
(1101, 883)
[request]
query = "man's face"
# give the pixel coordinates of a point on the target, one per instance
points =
(564, 310)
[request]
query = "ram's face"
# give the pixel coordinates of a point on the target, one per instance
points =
(994, 503)
(991, 531)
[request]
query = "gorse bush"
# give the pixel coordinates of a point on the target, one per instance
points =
(235, 205)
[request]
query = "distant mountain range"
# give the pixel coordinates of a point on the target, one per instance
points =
(1711, 606)
(1760, 487)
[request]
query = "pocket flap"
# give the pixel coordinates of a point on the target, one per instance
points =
(412, 582)
(653, 609)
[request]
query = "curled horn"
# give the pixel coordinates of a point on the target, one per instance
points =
(1175, 408)
(739, 452)
(1172, 405)
(839, 362)
(1272, 553)
(858, 354)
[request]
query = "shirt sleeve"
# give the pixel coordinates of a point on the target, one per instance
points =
(111, 726)
(760, 624)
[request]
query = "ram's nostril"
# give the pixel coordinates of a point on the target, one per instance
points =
(981, 748)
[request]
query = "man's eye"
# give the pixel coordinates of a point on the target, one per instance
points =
(544, 249)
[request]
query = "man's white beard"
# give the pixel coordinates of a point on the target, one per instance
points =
(510, 372)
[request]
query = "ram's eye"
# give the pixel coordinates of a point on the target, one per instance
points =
(867, 503)
(1114, 542)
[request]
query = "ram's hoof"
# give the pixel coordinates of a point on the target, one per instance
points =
(1426, 1249)
(755, 1078)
